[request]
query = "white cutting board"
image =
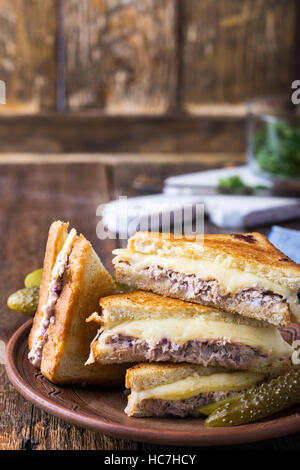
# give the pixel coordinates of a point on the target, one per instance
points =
(225, 211)
(206, 182)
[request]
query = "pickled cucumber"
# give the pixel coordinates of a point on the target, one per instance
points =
(259, 402)
(34, 279)
(24, 301)
(122, 287)
(208, 409)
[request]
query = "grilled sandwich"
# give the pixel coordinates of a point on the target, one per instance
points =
(73, 281)
(161, 390)
(240, 273)
(145, 327)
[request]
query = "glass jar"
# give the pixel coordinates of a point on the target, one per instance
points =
(273, 140)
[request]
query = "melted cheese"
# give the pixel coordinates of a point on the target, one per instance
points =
(195, 385)
(231, 279)
(180, 330)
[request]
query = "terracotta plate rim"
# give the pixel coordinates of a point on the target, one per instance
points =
(205, 437)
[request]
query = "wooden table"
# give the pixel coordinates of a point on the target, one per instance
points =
(32, 195)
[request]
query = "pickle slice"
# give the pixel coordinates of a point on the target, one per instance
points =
(24, 301)
(259, 402)
(122, 288)
(34, 279)
(211, 407)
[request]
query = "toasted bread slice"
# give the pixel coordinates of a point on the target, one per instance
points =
(179, 390)
(66, 347)
(142, 326)
(240, 273)
(145, 376)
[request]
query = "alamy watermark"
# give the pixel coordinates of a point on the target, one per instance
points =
(2, 352)
(2, 92)
(296, 94)
(121, 219)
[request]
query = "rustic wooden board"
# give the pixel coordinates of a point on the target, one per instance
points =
(28, 54)
(235, 50)
(146, 57)
(91, 133)
(14, 423)
(171, 160)
(120, 55)
(50, 433)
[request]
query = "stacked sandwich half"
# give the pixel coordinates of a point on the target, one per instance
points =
(203, 325)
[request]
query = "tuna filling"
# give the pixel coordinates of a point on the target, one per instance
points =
(55, 288)
(210, 292)
(181, 408)
(206, 353)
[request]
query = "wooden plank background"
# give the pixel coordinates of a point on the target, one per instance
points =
(120, 55)
(235, 50)
(91, 133)
(146, 56)
(28, 54)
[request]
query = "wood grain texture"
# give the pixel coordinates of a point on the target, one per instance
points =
(27, 54)
(50, 433)
(174, 160)
(237, 50)
(91, 133)
(15, 416)
(120, 55)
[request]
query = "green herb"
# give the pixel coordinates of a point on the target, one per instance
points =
(277, 149)
(232, 182)
(235, 185)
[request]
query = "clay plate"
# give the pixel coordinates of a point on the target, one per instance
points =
(102, 410)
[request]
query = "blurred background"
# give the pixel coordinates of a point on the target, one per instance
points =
(155, 88)
(140, 75)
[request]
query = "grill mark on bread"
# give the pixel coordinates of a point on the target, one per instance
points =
(244, 238)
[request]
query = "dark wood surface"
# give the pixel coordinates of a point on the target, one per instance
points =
(89, 132)
(31, 196)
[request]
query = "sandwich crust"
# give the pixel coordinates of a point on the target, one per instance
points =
(84, 282)
(144, 376)
(141, 304)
